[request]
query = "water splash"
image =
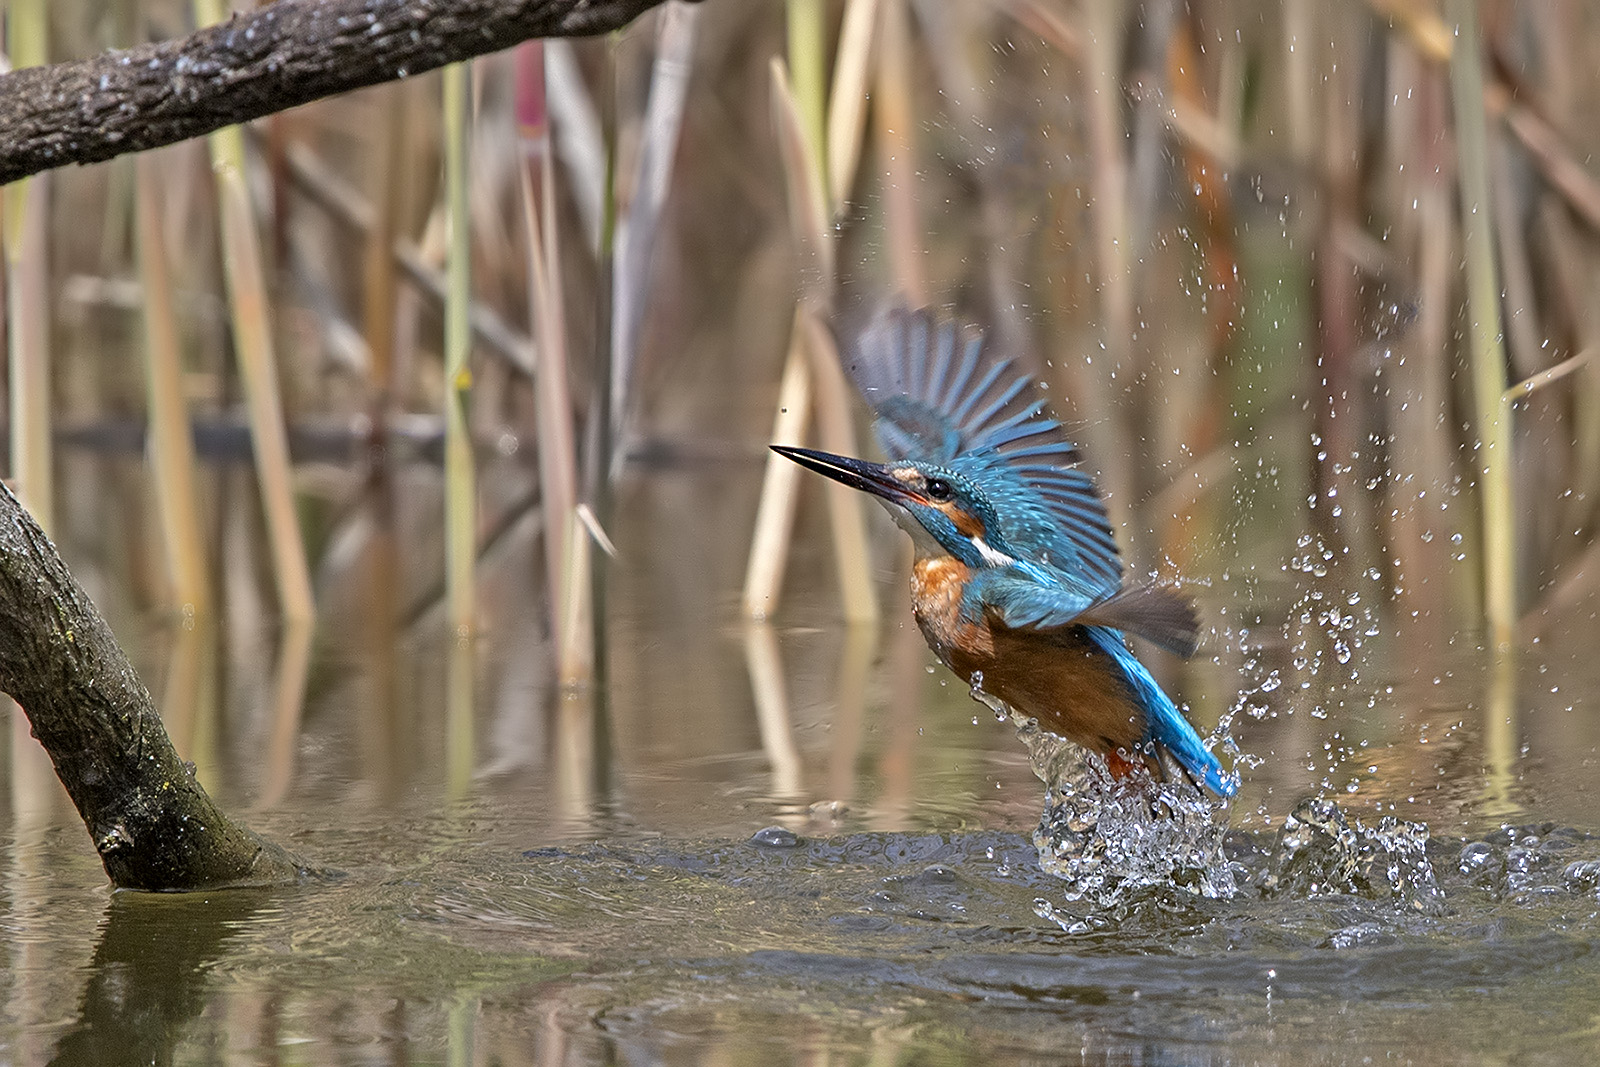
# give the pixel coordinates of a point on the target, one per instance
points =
(1113, 841)
(1109, 839)
(1321, 851)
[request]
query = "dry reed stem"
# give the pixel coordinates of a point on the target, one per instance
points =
(379, 302)
(1549, 376)
(575, 609)
(847, 100)
(809, 220)
(893, 123)
(1301, 69)
(807, 33)
(25, 228)
(253, 341)
(170, 441)
(349, 208)
(1518, 285)
(575, 755)
(578, 137)
(252, 335)
(836, 430)
(769, 544)
(635, 235)
(28, 320)
(566, 561)
(1486, 354)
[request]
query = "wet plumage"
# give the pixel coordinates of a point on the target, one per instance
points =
(1017, 576)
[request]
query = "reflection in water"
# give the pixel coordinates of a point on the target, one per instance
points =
(647, 924)
(1500, 735)
(850, 713)
(767, 681)
(288, 697)
(460, 733)
(576, 763)
(34, 933)
(150, 975)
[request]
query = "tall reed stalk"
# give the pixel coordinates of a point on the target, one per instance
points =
(808, 60)
(780, 487)
(379, 274)
(26, 230)
(1113, 236)
(566, 550)
(461, 524)
(893, 125)
(801, 115)
(635, 229)
(170, 444)
(252, 337)
(1485, 339)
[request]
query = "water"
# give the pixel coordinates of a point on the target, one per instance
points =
(776, 845)
(926, 946)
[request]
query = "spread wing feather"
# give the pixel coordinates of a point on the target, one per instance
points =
(942, 396)
(1159, 614)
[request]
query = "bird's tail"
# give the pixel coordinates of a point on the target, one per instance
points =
(1165, 725)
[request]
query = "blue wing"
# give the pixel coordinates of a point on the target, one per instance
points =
(1023, 602)
(1164, 723)
(943, 397)
(1029, 597)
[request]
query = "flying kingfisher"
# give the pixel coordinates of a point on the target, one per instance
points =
(1017, 584)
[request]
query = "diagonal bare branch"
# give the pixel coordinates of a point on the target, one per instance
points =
(285, 54)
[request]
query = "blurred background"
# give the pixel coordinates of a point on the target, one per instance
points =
(474, 537)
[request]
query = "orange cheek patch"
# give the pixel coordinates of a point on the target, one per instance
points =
(966, 523)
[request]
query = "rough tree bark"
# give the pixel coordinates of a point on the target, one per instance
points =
(276, 57)
(152, 823)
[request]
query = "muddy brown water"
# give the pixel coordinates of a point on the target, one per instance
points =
(796, 844)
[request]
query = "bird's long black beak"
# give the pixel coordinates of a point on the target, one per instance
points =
(859, 474)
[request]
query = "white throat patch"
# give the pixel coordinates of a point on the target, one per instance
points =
(992, 556)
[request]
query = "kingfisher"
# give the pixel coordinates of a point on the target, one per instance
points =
(1017, 585)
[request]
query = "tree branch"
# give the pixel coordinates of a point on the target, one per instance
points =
(150, 820)
(277, 57)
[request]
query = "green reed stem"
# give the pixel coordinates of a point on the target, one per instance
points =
(808, 33)
(1486, 352)
(459, 473)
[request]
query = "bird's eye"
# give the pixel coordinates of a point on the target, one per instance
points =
(939, 489)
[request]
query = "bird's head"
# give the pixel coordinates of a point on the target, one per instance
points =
(943, 510)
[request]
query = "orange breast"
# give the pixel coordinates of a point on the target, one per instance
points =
(1060, 678)
(936, 588)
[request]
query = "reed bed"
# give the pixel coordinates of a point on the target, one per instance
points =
(1295, 271)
